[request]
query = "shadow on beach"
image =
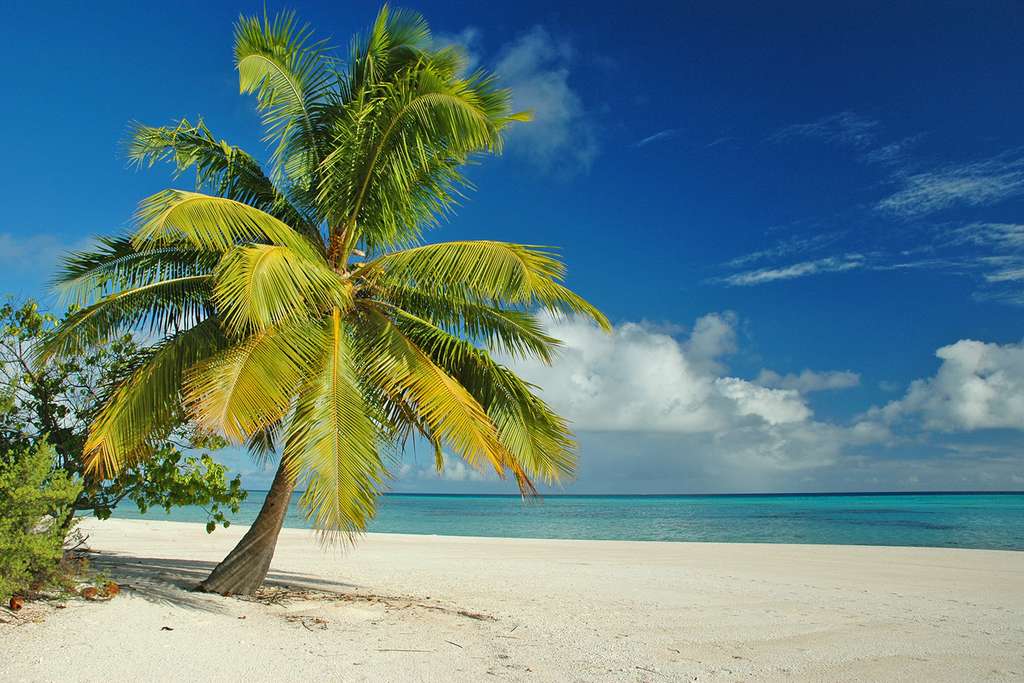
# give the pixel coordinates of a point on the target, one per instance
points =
(170, 581)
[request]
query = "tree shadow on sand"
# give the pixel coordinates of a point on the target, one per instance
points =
(168, 581)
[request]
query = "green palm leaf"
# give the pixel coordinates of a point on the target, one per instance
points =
(147, 401)
(262, 285)
(487, 271)
(206, 223)
(331, 442)
(223, 169)
(250, 386)
(163, 305)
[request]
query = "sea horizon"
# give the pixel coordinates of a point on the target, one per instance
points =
(955, 519)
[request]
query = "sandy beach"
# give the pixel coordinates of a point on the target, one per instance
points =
(402, 607)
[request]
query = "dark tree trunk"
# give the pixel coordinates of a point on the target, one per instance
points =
(245, 567)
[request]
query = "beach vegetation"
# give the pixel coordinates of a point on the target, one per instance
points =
(49, 407)
(294, 303)
(34, 499)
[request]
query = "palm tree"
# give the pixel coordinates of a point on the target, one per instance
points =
(299, 310)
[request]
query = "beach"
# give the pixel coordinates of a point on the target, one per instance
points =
(417, 607)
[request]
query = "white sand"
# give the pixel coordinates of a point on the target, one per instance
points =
(555, 611)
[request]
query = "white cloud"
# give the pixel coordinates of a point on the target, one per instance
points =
(468, 40)
(974, 184)
(829, 264)
(660, 135)
(978, 386)
(641, 381)
(33, 251)
(561, 136)
(808, 380)
(1009, 236)
(713, 336)
(774, 406)
(454, 469)
(796, 244)
(845, 128)
(893, 153)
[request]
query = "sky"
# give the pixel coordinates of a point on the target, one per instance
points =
(806, 222)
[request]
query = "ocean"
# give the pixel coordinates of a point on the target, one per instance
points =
(956, 520)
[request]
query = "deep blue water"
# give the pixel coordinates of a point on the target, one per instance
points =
(963, 520)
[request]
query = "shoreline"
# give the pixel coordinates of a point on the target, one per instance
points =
(469, 537)
(431, 607)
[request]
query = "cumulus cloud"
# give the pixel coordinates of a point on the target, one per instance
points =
(561, 136)
(454, 469)
(641, 381)
(979, 385)
(809, 381)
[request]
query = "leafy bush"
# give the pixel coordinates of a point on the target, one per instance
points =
(55, 404)
(34, 498)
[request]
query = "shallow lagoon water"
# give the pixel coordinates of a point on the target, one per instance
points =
(961, 520)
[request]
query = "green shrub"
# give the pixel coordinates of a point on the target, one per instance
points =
(34, 499)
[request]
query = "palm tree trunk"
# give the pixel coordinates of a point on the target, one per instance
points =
(245, 567)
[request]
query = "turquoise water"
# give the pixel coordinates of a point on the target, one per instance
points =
(969, 520)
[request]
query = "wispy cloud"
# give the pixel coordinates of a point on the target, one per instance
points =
(797, 244)
(660, 135)
(830, 264)
(562, 136)
(721, 141)
(978, 183)
(845, 128)
(1008, 236)
(893, 153)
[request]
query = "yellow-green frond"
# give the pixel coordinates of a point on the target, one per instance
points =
(210, 223)
(115, 264)
(510, 331)
(404, 372)
(261, 285)
(145, 404)
(161, 306)
(250, 386)
(331, 444)
(538, 439)
(491, 271)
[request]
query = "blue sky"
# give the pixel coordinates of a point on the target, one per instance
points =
(806, 222)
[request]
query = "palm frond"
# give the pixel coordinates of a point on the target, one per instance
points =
(148, 401)
(208, 223)
(397, 39)
(513, 332)
(262, 285)
(115, 264)
(162, 306)
(264, 442)
(291, 76)
(539, 441)
(331, 443)
(393, 165)
(402, 370)
(250, 386)
(488, 271)
(221, 169)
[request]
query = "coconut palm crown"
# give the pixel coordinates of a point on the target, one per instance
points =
(298, 308)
